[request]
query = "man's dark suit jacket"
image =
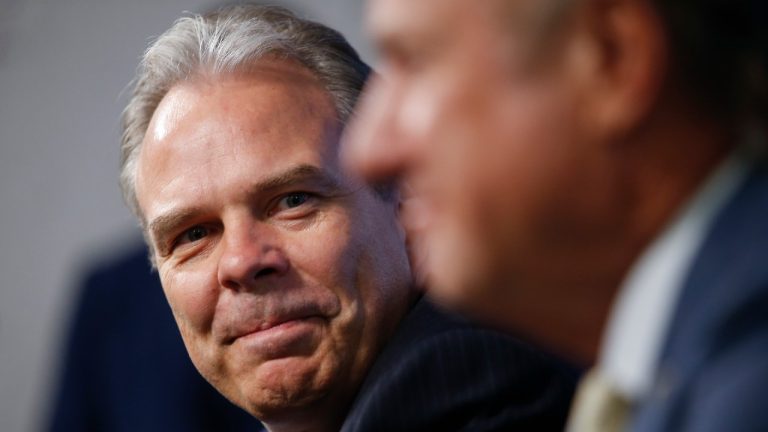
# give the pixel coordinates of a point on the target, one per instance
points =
(714, 368)
(125, 367)
(439, 373)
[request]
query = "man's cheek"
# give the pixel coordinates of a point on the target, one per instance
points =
(191, 297)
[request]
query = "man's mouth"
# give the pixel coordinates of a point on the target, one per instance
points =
(279, 324)
(283, 338)
(274, 322)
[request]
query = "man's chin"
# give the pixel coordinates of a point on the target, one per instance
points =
(282, 386)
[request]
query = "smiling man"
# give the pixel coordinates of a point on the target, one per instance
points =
(277, 287)
(289, 279)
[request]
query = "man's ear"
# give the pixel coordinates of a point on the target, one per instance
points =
(619, 60)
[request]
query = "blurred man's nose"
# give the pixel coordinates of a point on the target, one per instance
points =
(250, 254)
(374, 145)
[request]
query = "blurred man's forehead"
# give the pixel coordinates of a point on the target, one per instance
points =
(390, 20)
(395, 20)
(391, 17)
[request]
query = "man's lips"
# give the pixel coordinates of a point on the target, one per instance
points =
(286, 338)
(271, 324)
(276, 324)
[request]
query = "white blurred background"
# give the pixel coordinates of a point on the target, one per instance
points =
(64, 68)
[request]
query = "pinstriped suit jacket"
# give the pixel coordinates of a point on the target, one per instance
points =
(440, 373)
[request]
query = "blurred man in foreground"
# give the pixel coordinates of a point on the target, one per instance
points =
(288, 278)
(565, 151)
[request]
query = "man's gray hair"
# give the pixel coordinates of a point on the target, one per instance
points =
(227, 40)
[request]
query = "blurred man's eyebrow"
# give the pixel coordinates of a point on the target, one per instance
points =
(390, 41)
(386, 42)
(165, 223)
(394, 46)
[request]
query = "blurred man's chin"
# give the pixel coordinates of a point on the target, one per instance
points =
(457, 277)
(462, 294)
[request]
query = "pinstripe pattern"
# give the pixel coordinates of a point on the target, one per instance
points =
(440, 373)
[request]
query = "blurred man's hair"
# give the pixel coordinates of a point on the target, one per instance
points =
(227, 40)
(719, 51)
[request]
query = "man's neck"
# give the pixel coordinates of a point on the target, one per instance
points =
(661, 168)
(665, 167)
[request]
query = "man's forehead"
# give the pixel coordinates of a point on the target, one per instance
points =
(270, 115)
(279, 79)
(272, 96)
(173, 108)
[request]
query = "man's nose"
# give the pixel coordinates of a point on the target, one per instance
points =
(373, 145)
(249, 256)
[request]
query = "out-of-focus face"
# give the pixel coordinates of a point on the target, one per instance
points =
(481, 127)
(285, 275)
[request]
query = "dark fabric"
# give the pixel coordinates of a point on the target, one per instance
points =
(125, 367)
(439, 373)
(714, 368)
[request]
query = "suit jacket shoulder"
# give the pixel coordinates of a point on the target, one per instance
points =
(441, 373)
(713, 373)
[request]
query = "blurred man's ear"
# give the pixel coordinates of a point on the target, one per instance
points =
(619, 58)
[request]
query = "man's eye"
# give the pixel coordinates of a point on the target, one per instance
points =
(293, 200)
(194, 234)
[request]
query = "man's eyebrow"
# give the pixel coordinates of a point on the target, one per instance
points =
(165, 223)
(297, 174)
